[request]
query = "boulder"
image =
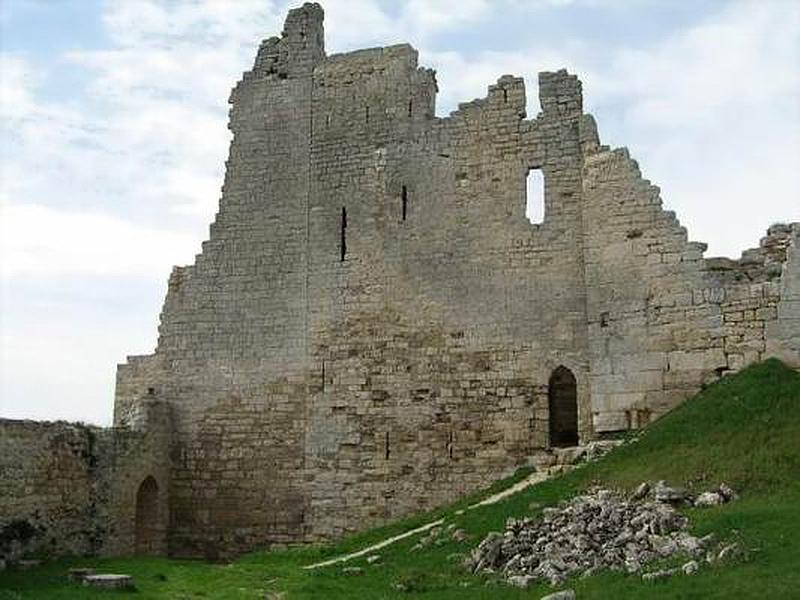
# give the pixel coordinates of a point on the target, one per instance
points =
(663, 492)
(709, 499)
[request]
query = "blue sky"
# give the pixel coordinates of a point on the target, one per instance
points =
(113, 137)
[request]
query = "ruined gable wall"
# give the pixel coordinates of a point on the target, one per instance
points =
(663, 320)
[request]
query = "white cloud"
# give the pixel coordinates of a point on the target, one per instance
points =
(40, 242)
(439, 15)
(18, 80)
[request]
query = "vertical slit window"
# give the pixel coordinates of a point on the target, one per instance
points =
(404, 202)
(386, 446)
(343, 235)
(366, 114)
(534, 196)
(410, 107)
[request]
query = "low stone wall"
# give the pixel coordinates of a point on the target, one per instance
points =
(74, 489)
(48, 500)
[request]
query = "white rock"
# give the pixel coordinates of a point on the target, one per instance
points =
(563, 595)
(709, 499)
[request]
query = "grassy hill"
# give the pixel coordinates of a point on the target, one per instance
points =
(743, 430)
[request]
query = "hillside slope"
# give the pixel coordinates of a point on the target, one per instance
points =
(743, 430)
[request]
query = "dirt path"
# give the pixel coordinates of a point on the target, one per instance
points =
(532, 479)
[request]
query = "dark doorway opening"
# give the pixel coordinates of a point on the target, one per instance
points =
(563, 404)
(148, 529)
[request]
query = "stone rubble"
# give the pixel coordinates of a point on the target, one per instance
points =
(601, 529)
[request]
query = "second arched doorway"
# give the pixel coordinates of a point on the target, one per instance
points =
(562, 394)
(148, 526)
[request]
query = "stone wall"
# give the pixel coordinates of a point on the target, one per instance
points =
(71, 489)
(371, 326)
(662, 319)
(49, 488)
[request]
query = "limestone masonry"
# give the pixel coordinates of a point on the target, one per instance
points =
(375, 328)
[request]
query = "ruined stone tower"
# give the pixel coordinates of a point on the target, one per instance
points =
(374, 327)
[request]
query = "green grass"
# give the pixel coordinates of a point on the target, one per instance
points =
(744, 430)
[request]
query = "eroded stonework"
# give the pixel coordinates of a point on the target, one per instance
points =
(375, 328)
(371, 328)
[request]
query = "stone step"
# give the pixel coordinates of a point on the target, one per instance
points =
(109, 581)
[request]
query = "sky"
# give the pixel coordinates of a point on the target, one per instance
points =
(113, 139)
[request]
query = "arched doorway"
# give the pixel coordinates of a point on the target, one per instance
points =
(148, 529)
(563, 403)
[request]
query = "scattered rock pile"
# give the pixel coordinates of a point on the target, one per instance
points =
(599, 530)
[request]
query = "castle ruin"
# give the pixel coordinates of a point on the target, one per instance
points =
(374, 327)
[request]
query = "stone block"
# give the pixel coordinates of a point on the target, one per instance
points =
(108, 581)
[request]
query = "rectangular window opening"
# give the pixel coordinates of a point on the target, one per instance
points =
(534, 196)
(404, 198)
(410, 107)
(386, 446)
(366, 114)
(343, 235)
